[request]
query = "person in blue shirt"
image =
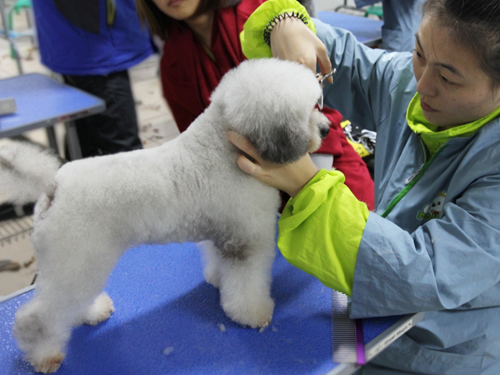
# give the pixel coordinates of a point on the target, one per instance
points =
(92, 44)
(432, 243)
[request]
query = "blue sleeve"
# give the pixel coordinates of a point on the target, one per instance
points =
(370, 85)
(448, 263)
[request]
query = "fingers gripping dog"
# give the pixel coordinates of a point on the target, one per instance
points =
(90, 211)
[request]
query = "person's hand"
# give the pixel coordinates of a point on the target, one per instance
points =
(292, 40)
(290, 178)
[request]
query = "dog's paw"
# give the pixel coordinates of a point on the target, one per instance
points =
(256, 315)
(101, 309)
(49, 364)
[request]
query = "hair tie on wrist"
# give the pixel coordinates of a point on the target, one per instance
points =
(276, 19)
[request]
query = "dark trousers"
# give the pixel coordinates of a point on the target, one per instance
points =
(114, 130)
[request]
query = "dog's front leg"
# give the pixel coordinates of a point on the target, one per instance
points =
(211, 263)
(245, 288)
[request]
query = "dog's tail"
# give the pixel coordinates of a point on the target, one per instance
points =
(27, 171)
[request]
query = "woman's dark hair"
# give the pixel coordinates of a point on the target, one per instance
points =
(474, 23)
(158, 21)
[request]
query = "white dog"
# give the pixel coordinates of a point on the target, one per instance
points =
(89, 212)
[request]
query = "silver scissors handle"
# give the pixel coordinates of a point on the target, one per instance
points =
(321, 81)
(323, 78)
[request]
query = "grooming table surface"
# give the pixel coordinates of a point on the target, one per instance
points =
(366, 30)
(169, 320)
(42, 102)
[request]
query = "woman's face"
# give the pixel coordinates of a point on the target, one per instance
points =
(453, 89)
(179, 10)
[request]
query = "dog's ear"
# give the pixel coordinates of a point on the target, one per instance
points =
(276, 142)
(280, 143)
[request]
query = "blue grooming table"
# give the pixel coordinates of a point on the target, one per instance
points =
(368, 31)
(42, 102)
(169, 320)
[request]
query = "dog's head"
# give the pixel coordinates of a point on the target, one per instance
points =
(271, 102)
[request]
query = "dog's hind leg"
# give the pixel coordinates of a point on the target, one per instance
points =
(43, 338)
(246, 284)
(66, 294)
(43, 325)
(41, 341)
(101, 310)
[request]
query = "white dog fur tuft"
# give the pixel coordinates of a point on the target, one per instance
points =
(91, 211)
(30, 171)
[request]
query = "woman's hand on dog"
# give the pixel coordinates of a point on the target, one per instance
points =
(292, 40)
(290, 178)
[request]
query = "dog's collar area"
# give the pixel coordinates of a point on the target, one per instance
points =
(321, 79)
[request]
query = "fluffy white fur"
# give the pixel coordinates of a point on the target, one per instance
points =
(89, 212)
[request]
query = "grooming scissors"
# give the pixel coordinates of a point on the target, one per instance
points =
(321, 81)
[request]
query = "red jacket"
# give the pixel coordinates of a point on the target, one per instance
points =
(189, 75)
(347, 160)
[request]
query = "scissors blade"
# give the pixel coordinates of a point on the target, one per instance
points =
(326, 76)
(320, 100)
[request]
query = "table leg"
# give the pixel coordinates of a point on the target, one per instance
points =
(75, 152)
(51, 135)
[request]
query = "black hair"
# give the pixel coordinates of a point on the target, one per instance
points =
(475, 24)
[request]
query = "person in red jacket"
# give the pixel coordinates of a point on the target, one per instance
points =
(201, 44)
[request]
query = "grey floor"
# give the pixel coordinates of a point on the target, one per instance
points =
(156, 127)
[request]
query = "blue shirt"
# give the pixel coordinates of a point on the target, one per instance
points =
(75, 38)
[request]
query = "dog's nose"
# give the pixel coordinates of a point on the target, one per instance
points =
(324, 132)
